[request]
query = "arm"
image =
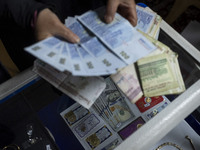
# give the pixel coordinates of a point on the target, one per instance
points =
(126, 8)
(48, 24)
(32, 14)
(19, 11)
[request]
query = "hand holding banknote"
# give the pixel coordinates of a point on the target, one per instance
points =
(48, 24)
(126, 8)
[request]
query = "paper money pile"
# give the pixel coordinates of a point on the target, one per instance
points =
(148, 21)
(103, 48)
(139, 64)
(158, 73)
(83, 90)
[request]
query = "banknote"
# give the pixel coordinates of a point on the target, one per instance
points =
(53, 55)
(107, 59)
(158, 75)
(83, 33)
(63, 58)
(46, 50)
(49, 73)
(156, 27)
(154, 30)
(119, 36)
(145, 19)
(92, 66)
(127, 80)
(112, 106)
(173, 61)
(116, 45)
(177, 73)
(75, 60)
(161, 47)
(84, 90)
(92, 45)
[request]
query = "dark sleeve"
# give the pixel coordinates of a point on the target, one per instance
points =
(20, 11)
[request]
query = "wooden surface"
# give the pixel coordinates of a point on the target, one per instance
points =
(7, 61)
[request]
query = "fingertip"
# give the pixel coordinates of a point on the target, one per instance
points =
(111, 9)
(70, 36)
(133, 21)
(73, 39)
(108, 19)
(76, 39)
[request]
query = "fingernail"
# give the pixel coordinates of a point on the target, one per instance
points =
(108, 19)
(77, 39)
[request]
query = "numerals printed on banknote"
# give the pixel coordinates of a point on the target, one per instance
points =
(106, 47)
(95, 48)
(47, 50)
(64, 58)
(75, 60)
(92, 66)
(109, 61)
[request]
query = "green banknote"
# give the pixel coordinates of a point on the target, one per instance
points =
(160, 75)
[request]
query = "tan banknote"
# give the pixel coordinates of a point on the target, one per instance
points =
(126, 79)
(160, 75)
(155, 28)
(161, 48)
(173, 61)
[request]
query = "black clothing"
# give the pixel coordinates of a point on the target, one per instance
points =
(15, 22)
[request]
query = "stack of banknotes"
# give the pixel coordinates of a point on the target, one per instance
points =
(103, 48)
(83, 90)
(154, 75)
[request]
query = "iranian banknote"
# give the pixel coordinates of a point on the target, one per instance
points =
(84, 90)
(119, 36)
(126, 79)
(160, 75)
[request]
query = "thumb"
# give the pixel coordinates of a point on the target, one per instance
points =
(111, 9)
(67, 34)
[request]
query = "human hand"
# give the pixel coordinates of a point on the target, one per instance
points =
(126, 8)
(48, 24)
